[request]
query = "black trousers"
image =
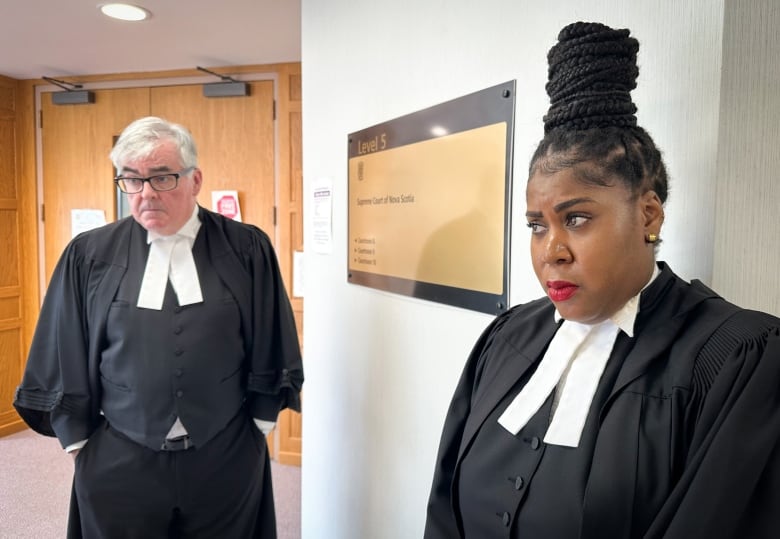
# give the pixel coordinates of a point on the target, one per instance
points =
(222, 490)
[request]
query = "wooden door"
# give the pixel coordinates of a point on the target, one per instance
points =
(77, 172)
(235, 140)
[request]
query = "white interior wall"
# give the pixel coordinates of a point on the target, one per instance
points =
(381, 368)
(747, 261)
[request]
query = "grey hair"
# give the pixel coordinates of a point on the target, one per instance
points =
(141, 137)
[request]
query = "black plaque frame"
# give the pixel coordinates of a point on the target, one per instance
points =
(487, 107)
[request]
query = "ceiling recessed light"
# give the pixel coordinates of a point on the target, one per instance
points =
(124, 12)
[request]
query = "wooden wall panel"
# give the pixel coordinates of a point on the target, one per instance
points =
(9, 244)
(11, 345)
(10, 352)
(8, 158)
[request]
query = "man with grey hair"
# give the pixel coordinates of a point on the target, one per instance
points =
(164, 351)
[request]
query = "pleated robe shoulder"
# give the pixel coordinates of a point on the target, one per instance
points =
(60, 393)
(706, 464)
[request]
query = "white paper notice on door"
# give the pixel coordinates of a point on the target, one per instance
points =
(82, 220)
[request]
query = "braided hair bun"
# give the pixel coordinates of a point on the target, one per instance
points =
(592, 70)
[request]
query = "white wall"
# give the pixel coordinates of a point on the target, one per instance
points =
(747, 261)
(380, 368)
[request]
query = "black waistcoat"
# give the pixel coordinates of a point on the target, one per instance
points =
(184, 362)
(516, 486)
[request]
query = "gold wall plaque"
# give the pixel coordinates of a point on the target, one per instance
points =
(430, 202)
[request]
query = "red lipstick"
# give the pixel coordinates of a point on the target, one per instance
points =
(561, 290)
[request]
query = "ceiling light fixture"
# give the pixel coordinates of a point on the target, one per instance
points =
(124, 12)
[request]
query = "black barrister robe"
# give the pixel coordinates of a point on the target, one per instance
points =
(702, 460)
(60, 394)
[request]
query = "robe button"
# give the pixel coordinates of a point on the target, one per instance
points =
(177, 309)
(177, 330)
(535, 443)
(180, 393)
(506, 519)
(179, 351)
(178, 372)
(519, 483)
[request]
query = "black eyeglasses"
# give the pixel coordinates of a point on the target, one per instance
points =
(161, 182)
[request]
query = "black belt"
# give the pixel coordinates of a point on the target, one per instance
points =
(181, 443)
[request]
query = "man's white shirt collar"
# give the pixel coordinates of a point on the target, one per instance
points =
(170, 257)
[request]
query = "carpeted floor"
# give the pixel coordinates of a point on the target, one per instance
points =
(35, 488)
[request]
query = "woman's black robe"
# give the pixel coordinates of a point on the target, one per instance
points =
(710, 469)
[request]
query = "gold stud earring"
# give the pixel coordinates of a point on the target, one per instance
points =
(651, 238)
